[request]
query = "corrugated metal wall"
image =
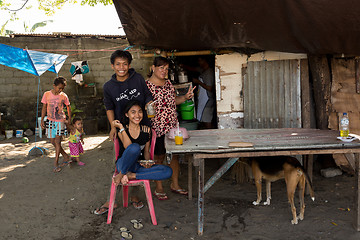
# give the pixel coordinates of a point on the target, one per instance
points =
(272, 94)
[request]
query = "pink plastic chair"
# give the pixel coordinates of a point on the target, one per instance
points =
(145, 183)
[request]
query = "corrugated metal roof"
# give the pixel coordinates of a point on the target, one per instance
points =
(67, 35)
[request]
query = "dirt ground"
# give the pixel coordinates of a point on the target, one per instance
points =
(36, 203)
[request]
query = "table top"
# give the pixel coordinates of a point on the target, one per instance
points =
(217, 140)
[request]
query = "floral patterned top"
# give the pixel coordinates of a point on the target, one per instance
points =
(165, 107)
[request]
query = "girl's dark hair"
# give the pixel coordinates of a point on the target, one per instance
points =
(159, 61)
(75, 119)
(130, 104)
(121, 54)
(60, 80)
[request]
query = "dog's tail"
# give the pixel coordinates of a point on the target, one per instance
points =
(312, 194)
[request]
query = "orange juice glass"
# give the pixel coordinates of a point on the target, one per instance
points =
(179, 140)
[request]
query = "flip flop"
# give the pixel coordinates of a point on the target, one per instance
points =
(57, 169)
(101, 210)
(125, 233)
(63, 164)
(180, 191)
(160, 196)
(137, 224)
(137, 204)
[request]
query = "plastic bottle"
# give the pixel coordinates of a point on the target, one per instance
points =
(344, 126)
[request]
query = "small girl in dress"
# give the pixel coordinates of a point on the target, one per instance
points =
(76, 140)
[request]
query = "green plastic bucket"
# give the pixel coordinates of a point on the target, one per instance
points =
(187, 110)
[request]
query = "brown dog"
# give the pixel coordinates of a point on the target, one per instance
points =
(275, 168)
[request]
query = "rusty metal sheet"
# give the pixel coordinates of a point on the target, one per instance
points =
(272, 94)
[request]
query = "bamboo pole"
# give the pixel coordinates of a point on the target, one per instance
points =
(186, 53)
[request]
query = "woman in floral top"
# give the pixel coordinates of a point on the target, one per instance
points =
(165, 118)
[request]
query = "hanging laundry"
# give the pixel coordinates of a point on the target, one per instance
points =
(77, 70)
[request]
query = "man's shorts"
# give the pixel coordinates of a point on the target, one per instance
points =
(54, 129)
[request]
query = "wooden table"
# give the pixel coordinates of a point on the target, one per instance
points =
(204, 144)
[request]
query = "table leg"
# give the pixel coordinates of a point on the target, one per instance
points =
(308, 166)
(201, 195)
(190, 163)
(357, 192)
(220, 172)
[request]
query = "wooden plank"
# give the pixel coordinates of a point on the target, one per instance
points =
(357, 193)
(357, 75)
(343, 75)
(241, 144)
(305, 94)
(190, 163)
(345, 102)
(308, 165)
(223, 169)
(274, 153)
(201, 203)
(334, 121)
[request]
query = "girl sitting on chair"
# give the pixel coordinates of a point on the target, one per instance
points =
(135, 145)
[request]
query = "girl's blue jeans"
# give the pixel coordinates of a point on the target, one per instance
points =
(128, 162)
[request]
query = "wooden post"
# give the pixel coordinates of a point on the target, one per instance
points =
(201, 203)
(223, 169)
(305, 94)
(319, 67)
(357, 74)
(357, 193)
(308, 165)
(190, 163)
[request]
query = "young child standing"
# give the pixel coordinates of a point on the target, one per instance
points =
(53, 104)
(76, 139)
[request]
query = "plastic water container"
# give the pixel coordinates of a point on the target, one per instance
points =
(19, 133)
(187, 110)
(344, 125)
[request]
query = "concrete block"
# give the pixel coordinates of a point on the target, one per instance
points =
(96, 67)
(330, 172)
(106, 74)
(19, 73)
(7, 74)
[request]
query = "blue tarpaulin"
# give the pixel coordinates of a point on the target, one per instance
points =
(33, 62)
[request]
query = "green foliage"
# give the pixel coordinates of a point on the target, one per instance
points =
(50, 6)
(39, 24)
(5, 125)
(74, 110)
(26, 126)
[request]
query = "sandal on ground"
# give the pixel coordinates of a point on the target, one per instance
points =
(63, 164)
(160, 196)
(137, 224)
(180, 191)
(101, 210)
(125, 233)
(57, 169)
(137, 204)
(80, 163)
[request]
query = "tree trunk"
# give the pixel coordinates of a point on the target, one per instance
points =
(321, 76)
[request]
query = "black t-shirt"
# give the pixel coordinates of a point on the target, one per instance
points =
(142, 139)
